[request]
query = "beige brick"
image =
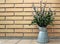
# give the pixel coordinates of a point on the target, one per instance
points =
(22, 22)
(23, 13)
(28, 9)
(56, 30)
(57, 34)
(14, 9)
(6, 14)
(14, 26)
(2, 26)
(31, 1)
(53, 1)
(2, 18)
(19, 30)
(2, 9)
(36, 5)
(49, 26)
(2, 1)
(14, 18)
(28, 17)
(27, 30)
(6, 30)
(53, 27)
(53, 5)
(49, 30)
(57, 9)
(56, 5)
(23, 30)
(50, 34)
(57, 18)
(58, 13)
(14, 1)
(30, 26)
(6, 22)
(30, 34)
(23, 5)
(2, 34)
(6, 5)
(14, 34)
(35, 1)
(26, 5)
(35, 30)
(56, 22)
(18, 5)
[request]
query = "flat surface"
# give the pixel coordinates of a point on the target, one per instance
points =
(27, 41)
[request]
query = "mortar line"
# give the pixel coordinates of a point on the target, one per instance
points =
(23, 1)
(5, 1)
(23, 20)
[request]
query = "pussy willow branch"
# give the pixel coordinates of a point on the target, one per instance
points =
(35, 11)
(43, 8)
(41, 5)
(34, 8)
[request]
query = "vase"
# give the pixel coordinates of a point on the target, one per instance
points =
(43, 35)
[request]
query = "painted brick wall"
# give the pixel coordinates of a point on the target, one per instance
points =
(16, 15)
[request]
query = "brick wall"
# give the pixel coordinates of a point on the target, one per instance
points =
(16, 15)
